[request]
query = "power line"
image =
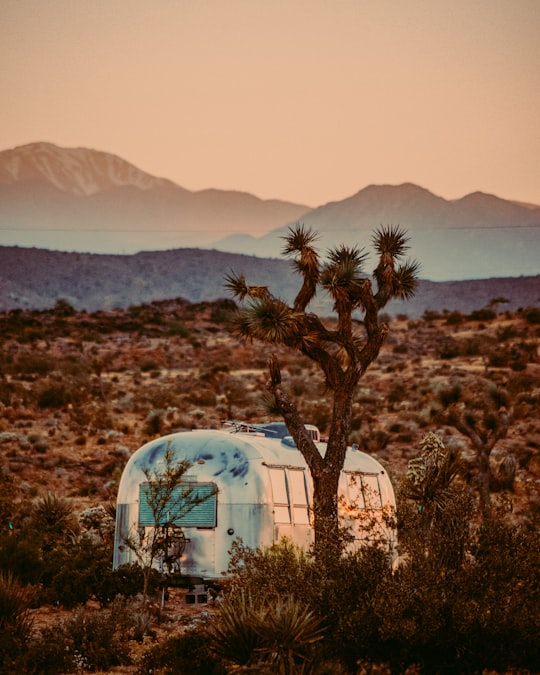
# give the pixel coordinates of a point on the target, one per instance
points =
(221, 232)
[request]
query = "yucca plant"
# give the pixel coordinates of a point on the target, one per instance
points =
(276, 636)
(291, 629)
(53, 522)
(237, 635)
(15, 617)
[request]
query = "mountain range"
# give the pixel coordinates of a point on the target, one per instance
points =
(32, 278)
(82, 200)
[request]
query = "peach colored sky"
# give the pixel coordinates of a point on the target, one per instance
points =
(303, 100)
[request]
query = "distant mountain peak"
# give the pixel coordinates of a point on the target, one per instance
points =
(79, 171)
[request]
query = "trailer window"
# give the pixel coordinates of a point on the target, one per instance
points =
(299, 500)
(363, 491)
(280, 495)
(187, 505)
(372, 492)
(289, 494)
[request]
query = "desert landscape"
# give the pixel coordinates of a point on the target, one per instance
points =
(161, 167)
(80, 392)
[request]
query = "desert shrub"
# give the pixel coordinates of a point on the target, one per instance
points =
(48, 549)
(126, 581)
(474, 346)
(10, 392)
(177, 329)
(495, 615)
(507, 333)
(62, 392)
(161, 396)
(318, 414)
(454, 318)
(373, 441)
(222, 311)
(450, 349)
(397, 393)
(412, 608)
(149, 365)
(21, 556)
(183, 654)
(461, 600)
(91, 415)
(515, 357)
(339, 591)
(485, 314)
(154, 423)
(532, 315)
(36, 364)
(15, 621)
(62, 308)
(87, 641)
(7, 497)
(203, 396)
(80, 572)
(270, 572)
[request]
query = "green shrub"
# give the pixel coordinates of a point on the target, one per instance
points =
(455, 318)
(183, 654)
(82, 571)
(485, 314)
(63, 392)
(126, 580)
(15, 621)
(203, 396)
(450, 349)
(532, 315)
(21, 555)
(88, 641)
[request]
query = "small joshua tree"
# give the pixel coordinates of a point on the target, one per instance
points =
(480, 411)
(342, 353)
(439, 524)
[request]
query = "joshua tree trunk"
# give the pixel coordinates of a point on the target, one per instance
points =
(325, 471)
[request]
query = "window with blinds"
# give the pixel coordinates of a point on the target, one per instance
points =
(187, 505)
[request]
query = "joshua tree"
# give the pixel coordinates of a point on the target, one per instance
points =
(479, 410)
(437, 527)
(342, 353)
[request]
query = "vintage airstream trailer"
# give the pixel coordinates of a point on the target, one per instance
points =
(259, 489)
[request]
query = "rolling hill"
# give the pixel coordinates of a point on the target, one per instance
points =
(32, 278)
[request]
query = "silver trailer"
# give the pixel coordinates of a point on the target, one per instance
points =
(258, 488)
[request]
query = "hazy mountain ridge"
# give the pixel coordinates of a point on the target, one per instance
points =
(477, 236)
(89, 201)
(46, 190)
(79, 171)
(37, 278)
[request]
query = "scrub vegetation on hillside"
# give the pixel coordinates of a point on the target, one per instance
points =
(451, 408)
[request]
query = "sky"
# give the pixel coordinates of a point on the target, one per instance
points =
(307, 101)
